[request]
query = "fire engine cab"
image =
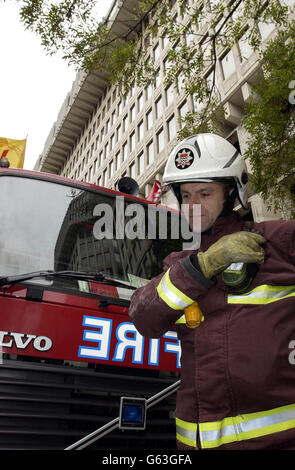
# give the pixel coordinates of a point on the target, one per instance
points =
(71, 255)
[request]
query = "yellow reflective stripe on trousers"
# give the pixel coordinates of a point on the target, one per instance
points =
(262, 295)
(171, 295)
(186, 432)
(247, 426)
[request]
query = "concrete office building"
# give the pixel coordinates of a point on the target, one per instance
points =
(99, 137)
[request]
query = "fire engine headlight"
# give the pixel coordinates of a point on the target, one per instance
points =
(132, 413)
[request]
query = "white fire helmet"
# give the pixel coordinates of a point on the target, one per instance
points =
(209, 158)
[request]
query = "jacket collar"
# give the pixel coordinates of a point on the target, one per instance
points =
(224, 225)
(229, 223)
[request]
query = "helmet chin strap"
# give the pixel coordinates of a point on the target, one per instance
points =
(229, 203)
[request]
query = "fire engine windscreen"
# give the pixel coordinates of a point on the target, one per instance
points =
(48, 225)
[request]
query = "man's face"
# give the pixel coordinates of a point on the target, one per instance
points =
(211, 198)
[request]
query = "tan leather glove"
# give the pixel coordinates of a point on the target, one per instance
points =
(243, 247)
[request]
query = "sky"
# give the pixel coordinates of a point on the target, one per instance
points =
(33, 85)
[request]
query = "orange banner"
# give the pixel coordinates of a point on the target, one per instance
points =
(14, 151)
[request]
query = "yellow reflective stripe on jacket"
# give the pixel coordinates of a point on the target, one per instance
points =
(247, 426)
(171, 295)
(262, 295)
(186, 432)
(181, 319)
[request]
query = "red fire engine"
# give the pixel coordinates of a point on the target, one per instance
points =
(71, 255)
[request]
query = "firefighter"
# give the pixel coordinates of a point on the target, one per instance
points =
(237, 382)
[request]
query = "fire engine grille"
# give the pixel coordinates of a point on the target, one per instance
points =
(50, 406)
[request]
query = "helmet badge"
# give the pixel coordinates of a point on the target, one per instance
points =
(184, 158)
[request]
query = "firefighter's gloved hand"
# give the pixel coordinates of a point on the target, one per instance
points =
(239, 247)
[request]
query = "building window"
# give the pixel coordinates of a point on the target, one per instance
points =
(111, 169)
(132, 170)
(95, 166)
(125, 123)
(165, 40)
(140, 131)
(132, 141)
(140, 164)
(100, 158)
(180, 82)
(117, 161)
(211, 80)
(90, 174)
(190, 38)
(104, 178)
(265, 29)
(245, 49)
(171, 128)
(119, 132)
(156, 52)
(112, 141)
(166, 65)
(158, 79)
(149, 119)
(113, 117)
(140, 102)
(228, 64)
(132, 91)
(159, 108)
(206, 47)
(169, 95)
(183, 109)
(197, 104)
(150, 152)
(119, 108)
(160, 141)
(106, 150)
(132, 113)
(148, 92)
(124, 151)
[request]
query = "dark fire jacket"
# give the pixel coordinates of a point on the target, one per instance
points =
(237, 368)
